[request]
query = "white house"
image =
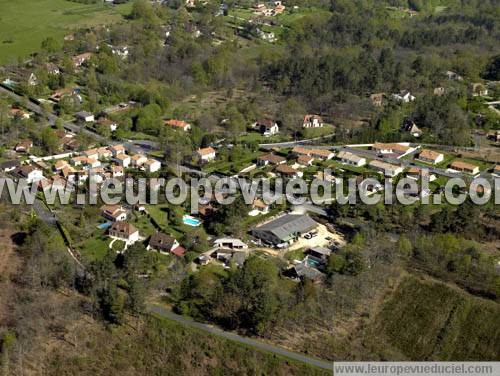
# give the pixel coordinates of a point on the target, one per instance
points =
(312, 121)
(30, 173)
(84, 116)
(230, 243)
(266, 127)
(122, 230)
(114, 213)
(258, 207)
(178, 124)
(123, 160)
(117, 149)
(152, 165)
(431, 156)
(116, 171)
(138, 160)
(206, 154)
(351, 159)
(403, 96)
(388, 169)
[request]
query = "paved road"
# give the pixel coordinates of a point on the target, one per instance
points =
(294, 143)
(75, 128)
(163, 312)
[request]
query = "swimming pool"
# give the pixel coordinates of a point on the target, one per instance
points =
(191, 221)
(313, 263)
(104, 226)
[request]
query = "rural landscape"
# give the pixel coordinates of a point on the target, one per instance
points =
(190, 93)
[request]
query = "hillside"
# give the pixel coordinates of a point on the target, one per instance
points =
(20, 35)
(429, 320)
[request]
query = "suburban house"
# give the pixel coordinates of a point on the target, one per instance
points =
(351, 159)
(123, 160)
(138, 160)
(477, 89)
(267, 127)
(465, 167)
(8, 166)
(114, 213)
(377, 99)
(108, 123)
(403, 96)
(78, 161)
(303, 271)
(162, 243)
(91, 163)
(398, 149)
(258, 207)
(299, 150)
(59, 165)
(439, 91)
(84, 116)
(69, 174)
(430, 156)
(387, 169)
(285, 229)
(417, 172)
(24, 146)
(410, 127)
(124, 231)
(328, 177)
(322, 154)
(230, 256)
(319, 254)
(230, 243)
(279, 8)
(19, 113)
(305, 160)
(205, 154)
(178, 124)
(117, 149)
(79, 60)
(30, 78)
(273, 159)
(288, 172)
(52, 68)
(30, 173)
(91, 153)
(312, 121)
(152, 165)
(104, 153)
(496, 170)
(117, 171)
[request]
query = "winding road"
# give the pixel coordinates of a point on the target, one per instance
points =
(165, 313)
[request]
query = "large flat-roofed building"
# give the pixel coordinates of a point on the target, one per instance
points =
(285, 229)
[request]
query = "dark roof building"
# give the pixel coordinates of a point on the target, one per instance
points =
(9, 165)
(162, 242)
(284, 229)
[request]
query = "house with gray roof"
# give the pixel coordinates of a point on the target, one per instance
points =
(285, 229)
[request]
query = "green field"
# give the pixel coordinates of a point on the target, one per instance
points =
(25, 23)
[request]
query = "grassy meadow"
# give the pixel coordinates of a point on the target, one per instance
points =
(25, 23)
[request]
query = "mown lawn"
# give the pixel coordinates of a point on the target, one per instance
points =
(24, 24)
(95, 248)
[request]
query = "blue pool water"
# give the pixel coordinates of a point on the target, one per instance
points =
(312, 263)
(104, 226)
(190, 221)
